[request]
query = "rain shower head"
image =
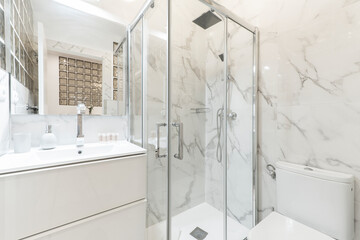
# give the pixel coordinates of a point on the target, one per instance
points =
(207, 20)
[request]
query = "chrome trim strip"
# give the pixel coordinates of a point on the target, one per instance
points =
(255, 180)
(168, 115)
(225, 113)
(143, 86)
(127, 87)
(147, 5)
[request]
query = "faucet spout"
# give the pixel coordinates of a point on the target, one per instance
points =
(81, 108)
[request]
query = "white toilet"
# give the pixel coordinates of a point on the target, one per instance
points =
(312, 204)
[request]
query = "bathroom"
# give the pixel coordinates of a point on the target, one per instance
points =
(145, 119)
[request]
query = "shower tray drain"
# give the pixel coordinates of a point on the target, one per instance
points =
(199, 234)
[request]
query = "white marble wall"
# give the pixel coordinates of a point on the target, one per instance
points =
(21, 97)
(188, 84)
(65, 128)
(4, 109)
(239, 133)
(309, 81)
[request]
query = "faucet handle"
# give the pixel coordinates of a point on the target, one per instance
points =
(81, 108)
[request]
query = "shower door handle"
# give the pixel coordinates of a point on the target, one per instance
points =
(157, 147)
(180, 153)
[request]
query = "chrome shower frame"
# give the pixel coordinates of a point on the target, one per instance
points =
(227, 14)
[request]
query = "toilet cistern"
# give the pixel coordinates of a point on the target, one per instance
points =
(81, 108)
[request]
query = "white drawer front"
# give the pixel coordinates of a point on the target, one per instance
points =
(35, 201)
(126, 223)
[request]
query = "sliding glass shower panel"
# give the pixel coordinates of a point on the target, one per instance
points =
(136, 85)
(155, 104)
(197, 96)
(239, 129)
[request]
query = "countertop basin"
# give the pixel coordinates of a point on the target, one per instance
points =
(66, 154)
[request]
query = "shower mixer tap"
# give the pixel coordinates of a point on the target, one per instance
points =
(232, 115)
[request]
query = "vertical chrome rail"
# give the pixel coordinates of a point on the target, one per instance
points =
(168, 108)
(146, 6)
(127, 97)
(225, 113)
(143, 86)
(255, 192)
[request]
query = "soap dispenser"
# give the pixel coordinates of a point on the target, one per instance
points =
(48, 140)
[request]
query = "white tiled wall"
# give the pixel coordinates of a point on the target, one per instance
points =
(64, 127)
(309, 85)
(4, 109)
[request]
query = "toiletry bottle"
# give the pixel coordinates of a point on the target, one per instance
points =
(48, 140)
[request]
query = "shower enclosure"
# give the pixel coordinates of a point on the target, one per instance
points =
(192, 102)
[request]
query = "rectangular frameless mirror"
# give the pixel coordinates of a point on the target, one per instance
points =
(62, 53)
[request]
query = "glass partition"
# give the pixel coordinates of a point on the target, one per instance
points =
(240, 127)
(148, 108)
(197, 92)
(136, 85)
(155, 89)
(193, 107)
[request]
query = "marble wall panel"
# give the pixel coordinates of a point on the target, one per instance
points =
(64, 127)
(309, 77)
(5, 115)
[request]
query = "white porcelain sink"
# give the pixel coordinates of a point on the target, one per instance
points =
(72, 152)
(67, 154)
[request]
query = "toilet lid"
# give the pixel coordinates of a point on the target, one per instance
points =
(278, 227)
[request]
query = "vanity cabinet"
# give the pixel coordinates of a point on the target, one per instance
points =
(99, 199)
(120, 223)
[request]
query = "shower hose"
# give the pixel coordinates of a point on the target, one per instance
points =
(219, 123)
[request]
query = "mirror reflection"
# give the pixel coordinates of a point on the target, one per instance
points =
(63, 53)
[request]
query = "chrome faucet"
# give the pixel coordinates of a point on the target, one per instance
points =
(81, 108)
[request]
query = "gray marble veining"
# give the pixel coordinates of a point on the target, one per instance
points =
(308, 88)
(5, 117)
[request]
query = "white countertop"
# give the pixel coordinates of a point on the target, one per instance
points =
(66, 154)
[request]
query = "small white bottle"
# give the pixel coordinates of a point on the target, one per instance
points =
(48, 140)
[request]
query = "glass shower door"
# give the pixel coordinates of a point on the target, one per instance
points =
(240, 125)
(196, 154)
(136, 84)
(198, 125)
(148, 108)
(155, 114)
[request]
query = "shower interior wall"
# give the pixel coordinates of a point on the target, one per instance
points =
(197, 81)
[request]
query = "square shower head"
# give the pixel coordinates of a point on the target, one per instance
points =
(199, 234)
(207, 20)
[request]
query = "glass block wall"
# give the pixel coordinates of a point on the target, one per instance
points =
(80, 81)
(22, 47)
(118, 67)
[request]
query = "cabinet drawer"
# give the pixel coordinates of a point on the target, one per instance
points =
(36, 201)
(126, 222)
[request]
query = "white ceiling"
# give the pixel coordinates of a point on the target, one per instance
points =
(82, 28)
(124, 9)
